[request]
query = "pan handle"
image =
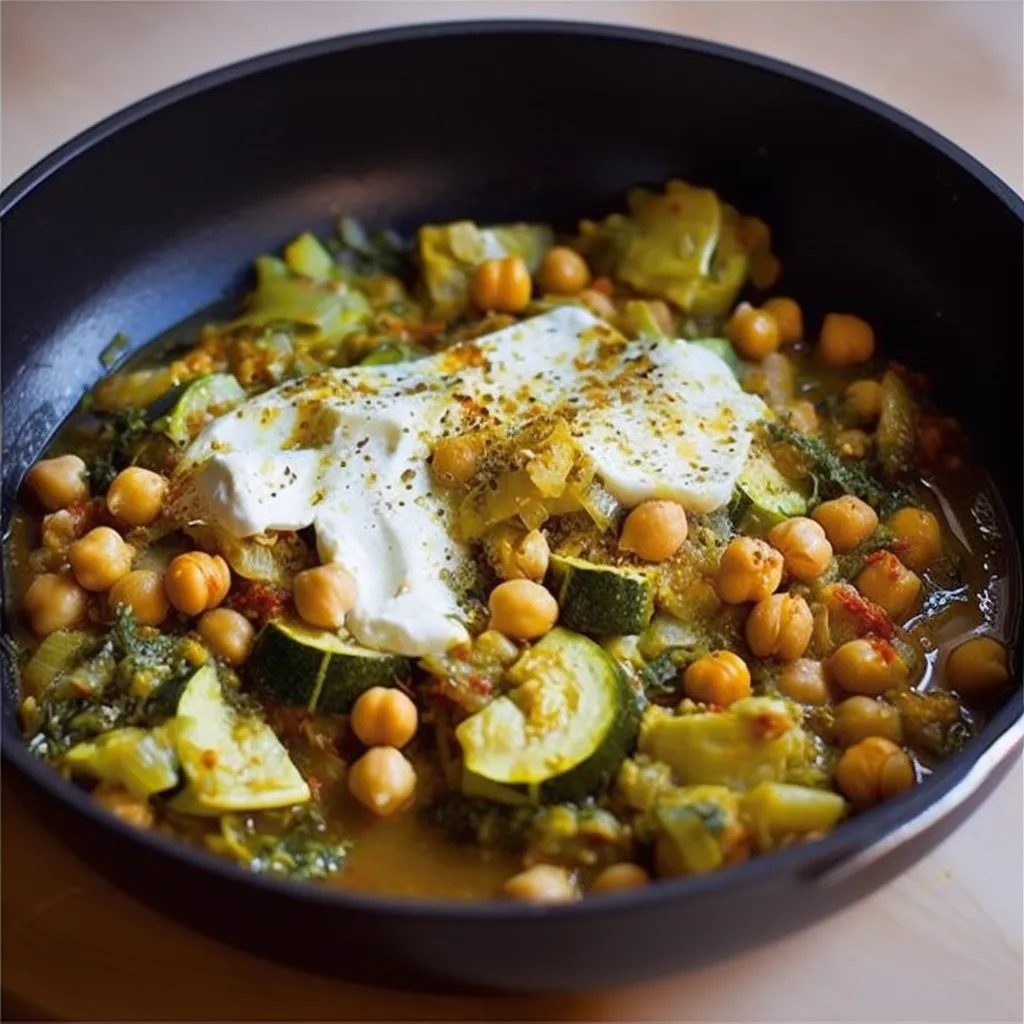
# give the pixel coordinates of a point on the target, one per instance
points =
(1003, 750)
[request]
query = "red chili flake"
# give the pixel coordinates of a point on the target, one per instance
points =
(316, 787)
(768, 726)
(480, 684)
(869, 616)
(603, 285)
(258, 601)
(208, 758)
(885, 650)
(900, 544)
(875, 556)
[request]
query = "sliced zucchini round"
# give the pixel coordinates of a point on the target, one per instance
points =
(200, 402)
(295, 664)
(764, 496)
(563, 731)
(600, 600)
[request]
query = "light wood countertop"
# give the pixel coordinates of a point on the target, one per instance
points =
(942, 943)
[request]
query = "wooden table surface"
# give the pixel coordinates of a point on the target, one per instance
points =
(942, 943)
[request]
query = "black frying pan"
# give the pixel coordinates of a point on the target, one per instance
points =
(158, 211)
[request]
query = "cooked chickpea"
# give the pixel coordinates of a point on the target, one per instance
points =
(864, 399)
(501, 286)
(803, 417)
(100, 558)
(142, 591)
(805, 549)
(54, 602)
(384, 717)
(563, 271)
(754, 332)
(136, 496)
(873, 770)
(857, 718)
(382, 780)
(58, 482)
(720, 678)
(779, 626)
(804, 681)
(619, 877)
(195, 582)
(454, 460)
(853, 444)
(324, 595)
(978, 668)
(845, 340)
(847, 521)
(654, 530)
(890, 584)
(918, 538)
(789, 316)
(543, 883)
(227, 633)
(131, 809)
(516, 554)
(867, 666)
(750, 570)
(522, 609)
(598, 303)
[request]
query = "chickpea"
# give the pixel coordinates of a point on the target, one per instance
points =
(848, 522)
(806, 552)
(978, 668)
(654, 530)
(918, 538)
(750, 570)
(227, 633)
(845, 340)
(136, 496)
(790, 318)
(857, 718)
(100, 558)
(563, 271)
(803, 417)
(754, 332)
(196, 581)
(543, 883)
(864, 399)
(522, 609)
(780, 626)
(516, 554)
(58, 482)
(598, 303)
(890, 584)
(719, 678)
(868, 666)
(324, 595)
(853, 444)
(131, 809)
(455, 460)
(873, 770)
(384, 717)
(501, 286)
(382, 780)
(804, 681)
(142, 591)
(619, 877)
(54, 602)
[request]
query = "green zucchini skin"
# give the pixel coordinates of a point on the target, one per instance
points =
(600, 600)
(304, 667)
(577, 657)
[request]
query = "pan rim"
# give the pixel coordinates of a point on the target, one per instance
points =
(802, 861)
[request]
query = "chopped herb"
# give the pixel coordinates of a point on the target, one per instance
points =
(382, 252)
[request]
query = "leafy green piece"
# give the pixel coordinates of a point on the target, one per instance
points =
(471, 820)
(834, 476)
(119, 438)
(934, 724)
(578, 836)
(113, 352)
(365, 254)
(896, 435)
(296, 843)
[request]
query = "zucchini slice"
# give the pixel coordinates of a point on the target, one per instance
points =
(600, 600)
(231, 762)
(295, 664)
(143, 761)
(200, 402)
(565, 728)
(764, 496)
